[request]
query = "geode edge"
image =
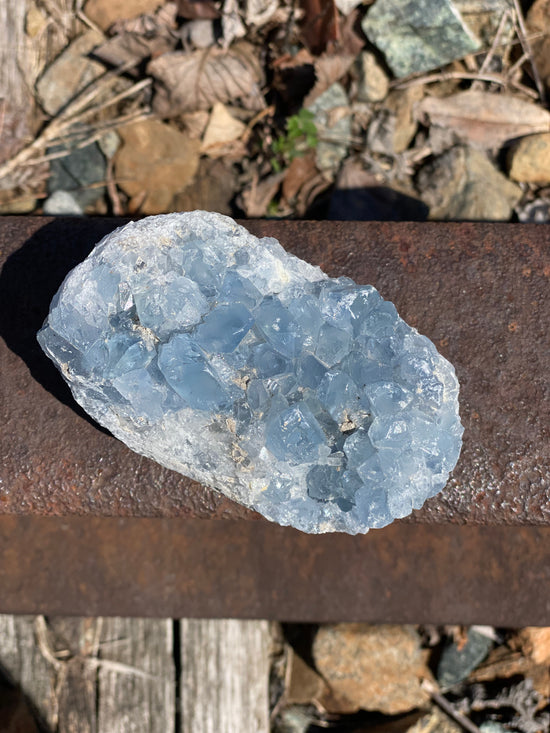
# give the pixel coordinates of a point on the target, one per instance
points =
(224, 357)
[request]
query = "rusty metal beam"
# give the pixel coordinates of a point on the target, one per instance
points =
(217, 569)
(480, 291)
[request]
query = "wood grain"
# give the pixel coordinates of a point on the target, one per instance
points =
(224, 676)
(136, 676)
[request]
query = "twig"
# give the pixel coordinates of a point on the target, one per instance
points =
(522, 33)
(112, 190)
(446, 706)
(506, 15)
(450, 75)
(60, 126)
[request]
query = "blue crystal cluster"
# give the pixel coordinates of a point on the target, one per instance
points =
(226, 358)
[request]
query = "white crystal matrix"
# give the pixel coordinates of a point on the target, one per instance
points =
(223, 357)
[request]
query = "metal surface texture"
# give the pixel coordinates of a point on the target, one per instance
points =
(219, 569)
(481, 292)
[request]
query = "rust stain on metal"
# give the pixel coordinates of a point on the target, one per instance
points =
(479, 291)
(175, 568)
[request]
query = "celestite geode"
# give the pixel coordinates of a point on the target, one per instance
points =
(223, 357)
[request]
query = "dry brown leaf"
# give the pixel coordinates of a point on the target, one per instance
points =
(186, 82)
(320, 27)
(328, 68)
(300, 170)
(485, 119)
(222, 134)
(255, 199)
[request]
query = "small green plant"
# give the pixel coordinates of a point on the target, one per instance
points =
(301, 135)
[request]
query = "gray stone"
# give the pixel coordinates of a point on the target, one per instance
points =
(418, 35)
(463, 184)
(225, 358)
(82, 172)
(62, 203)
(333, 127)
(457, 661)
(70, 73)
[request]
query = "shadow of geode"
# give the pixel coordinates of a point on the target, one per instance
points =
(30, 278)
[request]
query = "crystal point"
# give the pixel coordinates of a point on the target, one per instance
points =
(225, 358)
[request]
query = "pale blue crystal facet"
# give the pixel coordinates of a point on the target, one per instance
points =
(223, 357)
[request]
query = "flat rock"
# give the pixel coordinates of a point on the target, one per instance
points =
(333, 122)
(373, 80)
(70, 73)
(459, 659)
(82, 172)
(530, 159)
(155, 162)
(224, 357)
(400, 30)
(371, 667)
(464, 184)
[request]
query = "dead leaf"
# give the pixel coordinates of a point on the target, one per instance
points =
(212, 190)
(186, 82)
(198, 9)
(299, 171)
(195, 123)
(257, 196)
(488, 120)
(328, 69)
(222, 130)
(320, 26)
(350, 41)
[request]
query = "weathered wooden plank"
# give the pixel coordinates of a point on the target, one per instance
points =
(136, 676)
(25, 665)
(224, 683)
(75, 644)
(12, 44)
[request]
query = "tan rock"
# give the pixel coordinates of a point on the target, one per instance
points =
(374, 83)
(155, 162)
(371, 667)
(71, 71)
(304, 685)
(463, 184)
(530, 159)
(105, 12)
